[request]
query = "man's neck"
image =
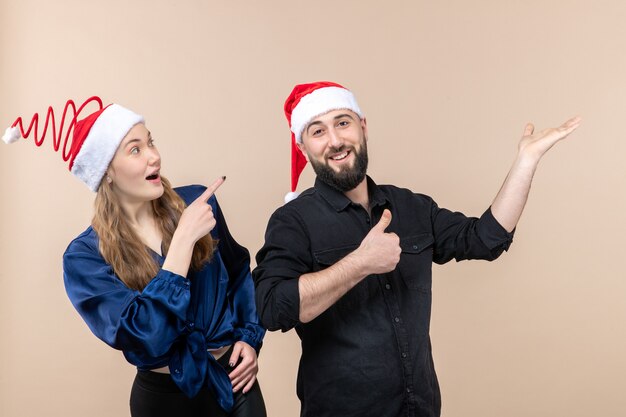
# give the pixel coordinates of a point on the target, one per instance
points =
(360, 195)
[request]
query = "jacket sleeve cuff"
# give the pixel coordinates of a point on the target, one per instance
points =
(171, 290)
(252, 337)
(492, 234)
(280, 310)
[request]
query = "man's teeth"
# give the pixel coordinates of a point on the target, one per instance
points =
(339, 157)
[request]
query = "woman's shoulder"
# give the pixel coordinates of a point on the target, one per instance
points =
(190, 192)
(88, 239)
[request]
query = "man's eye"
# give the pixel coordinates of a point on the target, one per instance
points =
(151, 142)
(317, 132)
(344, 123)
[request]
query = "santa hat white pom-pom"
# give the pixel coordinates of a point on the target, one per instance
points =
(291, 196)
(12, 134)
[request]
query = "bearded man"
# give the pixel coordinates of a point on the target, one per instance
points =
(348, 262)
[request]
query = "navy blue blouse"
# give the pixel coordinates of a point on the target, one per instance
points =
(174, 320)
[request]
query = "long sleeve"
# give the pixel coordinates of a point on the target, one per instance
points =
(174, 320)
(129, 320)
(284, 257)
(459, 237)
(236, 260)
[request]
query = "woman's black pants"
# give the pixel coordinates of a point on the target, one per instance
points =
(156, 395)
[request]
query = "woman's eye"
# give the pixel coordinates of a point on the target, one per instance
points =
(151, 142)
(134, 150)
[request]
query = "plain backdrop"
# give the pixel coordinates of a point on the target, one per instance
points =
(447, 88)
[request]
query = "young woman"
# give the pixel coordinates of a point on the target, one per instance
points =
(158, 275)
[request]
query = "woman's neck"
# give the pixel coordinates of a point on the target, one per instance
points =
(142, 220)
(138, 214)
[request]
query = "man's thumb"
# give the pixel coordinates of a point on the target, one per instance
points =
(385, 219)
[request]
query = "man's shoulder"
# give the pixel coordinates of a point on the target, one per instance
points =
(86, 241)
(307, 201)
(403, 195)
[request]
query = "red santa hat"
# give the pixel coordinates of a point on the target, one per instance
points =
(95, 138)
(305, 103)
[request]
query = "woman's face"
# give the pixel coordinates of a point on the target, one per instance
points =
(134, 170)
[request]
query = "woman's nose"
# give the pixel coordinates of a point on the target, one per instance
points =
(154, 157)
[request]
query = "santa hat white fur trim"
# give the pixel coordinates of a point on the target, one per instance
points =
(290, 196)
(103, 139)
(12, 134)
(319, 102)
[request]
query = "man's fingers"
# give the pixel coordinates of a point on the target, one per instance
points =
(555, 133)
(529, 129)
(204, 197)
(573, 121)
(571, 124)
(562, 131)
(385, 219)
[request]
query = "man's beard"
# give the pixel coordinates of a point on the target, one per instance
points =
(346, 179)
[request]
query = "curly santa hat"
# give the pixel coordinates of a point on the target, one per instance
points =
(305, 103)
(95, 138)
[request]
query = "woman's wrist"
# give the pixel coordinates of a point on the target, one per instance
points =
(179, 255)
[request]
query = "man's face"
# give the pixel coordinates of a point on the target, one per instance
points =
(335, 144)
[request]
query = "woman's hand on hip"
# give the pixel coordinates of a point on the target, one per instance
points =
(244, 374)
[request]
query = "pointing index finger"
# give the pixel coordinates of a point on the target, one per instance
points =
(211, 189)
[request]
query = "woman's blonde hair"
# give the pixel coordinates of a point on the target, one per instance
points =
(120, 246)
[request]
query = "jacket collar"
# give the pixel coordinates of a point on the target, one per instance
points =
(339, 201)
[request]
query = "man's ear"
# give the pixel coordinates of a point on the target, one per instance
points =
(303, 150)
(364, 127)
